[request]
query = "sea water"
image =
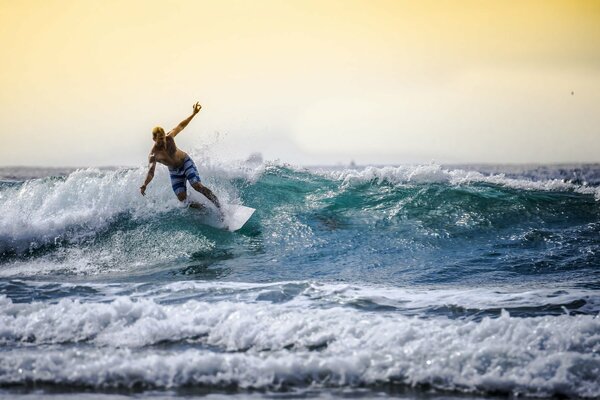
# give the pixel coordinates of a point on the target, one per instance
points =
(415, 281)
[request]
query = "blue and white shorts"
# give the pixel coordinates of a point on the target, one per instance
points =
(187, 171)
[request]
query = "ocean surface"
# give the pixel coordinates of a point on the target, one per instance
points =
(414, 281)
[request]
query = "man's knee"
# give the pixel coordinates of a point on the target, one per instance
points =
(181, 196)
(198, 186)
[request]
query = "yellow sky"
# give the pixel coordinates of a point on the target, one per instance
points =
(83, 82)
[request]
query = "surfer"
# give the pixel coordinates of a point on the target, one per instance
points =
(181, 166)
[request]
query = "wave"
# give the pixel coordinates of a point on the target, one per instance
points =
(457, 302)
(95, 221)
(172, 341)
(82, 204)
(433, 173)
(44, 209)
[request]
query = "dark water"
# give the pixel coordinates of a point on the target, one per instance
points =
(412, 281)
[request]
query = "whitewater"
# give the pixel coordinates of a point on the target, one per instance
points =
(410, 281)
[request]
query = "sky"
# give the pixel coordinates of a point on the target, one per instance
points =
(305, 82)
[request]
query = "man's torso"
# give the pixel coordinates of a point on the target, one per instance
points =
(169, 155)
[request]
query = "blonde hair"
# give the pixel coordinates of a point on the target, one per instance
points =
(156, 131)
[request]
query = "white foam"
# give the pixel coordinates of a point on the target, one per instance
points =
(232, 169)
(265, 345)
(124, 253)
(307, 294)
(310, 294)
(43, 211)
(483, 298)
(433, 173)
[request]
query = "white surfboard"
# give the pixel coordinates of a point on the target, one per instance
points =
(236, 216)
(231, 216)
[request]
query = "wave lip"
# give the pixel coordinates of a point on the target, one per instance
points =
(269, 345)
(434, 173)
(42, 211)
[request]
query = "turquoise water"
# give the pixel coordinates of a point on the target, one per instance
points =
(409, 281)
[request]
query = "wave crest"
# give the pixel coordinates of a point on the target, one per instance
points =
(267, 346)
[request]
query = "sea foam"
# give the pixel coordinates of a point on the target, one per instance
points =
(272, 345)
(48, 210)
(434, 173)
(44, 210)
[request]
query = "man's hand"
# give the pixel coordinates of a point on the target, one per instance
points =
(185, 122)
(143, 190)
(197, 107)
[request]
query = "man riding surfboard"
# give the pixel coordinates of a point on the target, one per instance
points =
(181, 166)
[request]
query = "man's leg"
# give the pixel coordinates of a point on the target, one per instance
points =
(182, 196)
(191, 174)
(206, 192)
(178, 185)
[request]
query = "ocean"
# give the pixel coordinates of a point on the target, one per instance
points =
(413, 281)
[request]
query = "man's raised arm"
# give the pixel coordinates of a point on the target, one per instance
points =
(185, 122)
(150, 175)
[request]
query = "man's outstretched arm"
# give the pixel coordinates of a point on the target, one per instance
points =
(149, 176)
(185, 122)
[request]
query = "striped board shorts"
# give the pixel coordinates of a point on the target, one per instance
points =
(187, 171)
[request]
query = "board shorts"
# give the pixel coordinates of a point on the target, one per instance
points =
(187, 171)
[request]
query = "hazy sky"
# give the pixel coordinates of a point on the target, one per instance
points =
(308, 82)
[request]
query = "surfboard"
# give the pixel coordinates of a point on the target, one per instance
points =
(231, 217)
(236, 216)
